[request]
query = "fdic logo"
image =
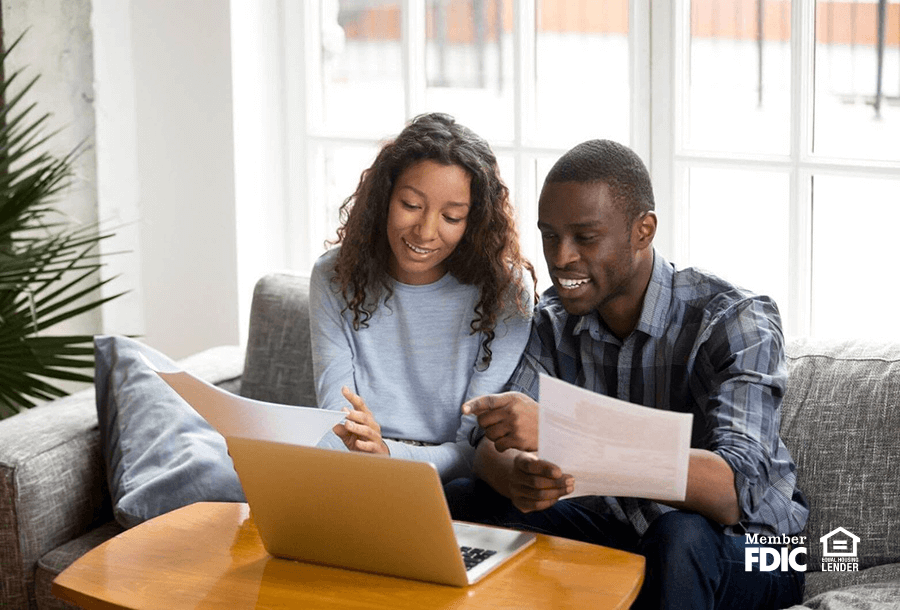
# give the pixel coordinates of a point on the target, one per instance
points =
(769, 558)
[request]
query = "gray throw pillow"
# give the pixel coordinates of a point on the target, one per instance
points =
(159, 453)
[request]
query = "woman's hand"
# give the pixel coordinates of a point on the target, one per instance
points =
(360, 431)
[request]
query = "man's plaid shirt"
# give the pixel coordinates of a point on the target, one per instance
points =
(701, 346)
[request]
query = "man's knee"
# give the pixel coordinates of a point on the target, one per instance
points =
(471, 499)
(678, 535)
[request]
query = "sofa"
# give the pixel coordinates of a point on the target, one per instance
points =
(841, 421)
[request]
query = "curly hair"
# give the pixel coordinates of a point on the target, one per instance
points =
(488, 254)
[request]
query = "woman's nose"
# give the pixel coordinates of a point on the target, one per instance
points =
(427, 227)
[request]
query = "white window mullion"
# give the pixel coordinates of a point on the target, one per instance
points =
(524, 22)
(413, 55)
(639, 50)
(665, 114)
(301, 87)
(802, 110)
(525, 199)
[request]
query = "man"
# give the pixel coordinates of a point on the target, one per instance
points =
(620, 320)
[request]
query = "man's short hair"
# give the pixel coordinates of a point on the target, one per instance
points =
(614, 164)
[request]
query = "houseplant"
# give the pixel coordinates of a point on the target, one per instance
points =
(48, 264)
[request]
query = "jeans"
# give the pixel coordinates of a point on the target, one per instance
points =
(690, 562)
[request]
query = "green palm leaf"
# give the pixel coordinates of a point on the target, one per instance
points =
(49, 267)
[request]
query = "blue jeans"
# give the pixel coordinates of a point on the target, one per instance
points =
(691, 562)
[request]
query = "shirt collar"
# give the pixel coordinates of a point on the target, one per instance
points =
(657, 299)
(654, 311)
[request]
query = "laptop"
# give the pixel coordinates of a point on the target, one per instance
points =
(364, 512)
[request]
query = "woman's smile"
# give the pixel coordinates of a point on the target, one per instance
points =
(417, 249)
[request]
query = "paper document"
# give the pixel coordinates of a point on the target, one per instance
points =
(233, 415)
(612, 447)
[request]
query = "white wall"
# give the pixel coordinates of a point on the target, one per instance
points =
(118, 184)
(165, 144)
(189, 164)
(261, 125)
(57, 46)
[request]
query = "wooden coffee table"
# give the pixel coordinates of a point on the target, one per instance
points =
(209, 555)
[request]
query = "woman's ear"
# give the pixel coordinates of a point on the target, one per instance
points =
(644, 230)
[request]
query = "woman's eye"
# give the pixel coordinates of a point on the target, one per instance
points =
(408, 205)
(452, 220)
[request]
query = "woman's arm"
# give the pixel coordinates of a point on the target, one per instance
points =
(332, 356)
(452, 459)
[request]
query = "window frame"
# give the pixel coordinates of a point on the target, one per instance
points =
(659, 36)
(671, 158)
(309, 133)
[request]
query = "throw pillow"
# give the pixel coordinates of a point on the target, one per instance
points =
(160, 454)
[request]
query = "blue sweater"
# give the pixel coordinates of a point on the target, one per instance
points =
(415, 363)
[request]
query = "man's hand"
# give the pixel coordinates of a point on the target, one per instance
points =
(360, 431)
(509, 419)
(537, 484)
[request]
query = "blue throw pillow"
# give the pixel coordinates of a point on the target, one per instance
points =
(160, 454)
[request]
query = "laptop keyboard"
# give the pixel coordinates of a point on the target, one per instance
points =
(473, 556)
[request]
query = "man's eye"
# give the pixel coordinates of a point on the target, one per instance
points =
(548, 236)
(586, 238)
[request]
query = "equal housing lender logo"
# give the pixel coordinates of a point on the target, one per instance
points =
(839, 552)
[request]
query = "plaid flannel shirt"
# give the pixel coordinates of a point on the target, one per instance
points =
(701, 346)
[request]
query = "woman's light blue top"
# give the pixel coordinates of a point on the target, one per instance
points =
(415, 363)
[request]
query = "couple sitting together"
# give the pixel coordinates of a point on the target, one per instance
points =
(425, 330)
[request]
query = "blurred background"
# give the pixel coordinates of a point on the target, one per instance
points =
(772, 128)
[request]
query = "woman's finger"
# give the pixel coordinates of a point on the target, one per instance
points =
(355, 399)
(368, 446)
(363, 431)
(347, 437)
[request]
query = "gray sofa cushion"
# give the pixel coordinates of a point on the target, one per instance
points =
(844, 438)
(159, 453)
(57, 560)
(818, 583)
(278, 366)
(875, 596)
(48, 492)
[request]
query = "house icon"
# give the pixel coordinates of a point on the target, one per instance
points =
(839, 543)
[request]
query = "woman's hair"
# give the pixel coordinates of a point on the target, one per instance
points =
(488, 254)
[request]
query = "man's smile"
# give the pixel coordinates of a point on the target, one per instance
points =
(572, 283)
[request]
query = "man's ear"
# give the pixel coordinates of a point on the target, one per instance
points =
(644, 230)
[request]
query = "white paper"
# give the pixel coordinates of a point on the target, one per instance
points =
(233, 415)
(612, 447)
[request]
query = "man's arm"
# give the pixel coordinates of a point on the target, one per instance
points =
(744, 364)
(509, 419)
(493, 467)
(510, 424)
(530, 483)
(710, 488)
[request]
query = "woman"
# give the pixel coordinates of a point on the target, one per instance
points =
(425, 303)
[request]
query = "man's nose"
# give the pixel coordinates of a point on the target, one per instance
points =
(563, 254)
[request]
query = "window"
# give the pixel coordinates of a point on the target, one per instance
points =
(516, 72)
(786, 149)
(771, 127)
